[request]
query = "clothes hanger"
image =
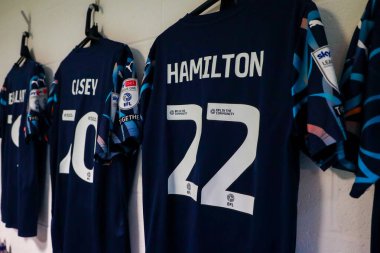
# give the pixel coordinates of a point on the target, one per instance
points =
(225, 4)
(24, 51)
(92, 33)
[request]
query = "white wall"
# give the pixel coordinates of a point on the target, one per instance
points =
(329, 220)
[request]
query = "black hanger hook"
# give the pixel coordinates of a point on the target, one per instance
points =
(92, 8)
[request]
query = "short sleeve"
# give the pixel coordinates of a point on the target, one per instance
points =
(362, 92)
(3, 107)
(317, 107)
(36, 121)
(119, 128)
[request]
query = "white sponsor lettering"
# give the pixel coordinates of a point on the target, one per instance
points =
(68, 115)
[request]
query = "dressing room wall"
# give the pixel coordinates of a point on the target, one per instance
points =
(328, 219)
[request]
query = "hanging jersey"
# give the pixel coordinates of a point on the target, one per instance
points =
(23, 124)
(362, 100)
(227, 102)
(94, 118)
(361, 90)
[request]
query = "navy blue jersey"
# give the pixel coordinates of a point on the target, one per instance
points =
(22, 122)
(93, 105)
(361, 90)
(227, 102)
(362, 99)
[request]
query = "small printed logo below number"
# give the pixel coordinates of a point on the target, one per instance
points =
(188, 188)
(230, 199)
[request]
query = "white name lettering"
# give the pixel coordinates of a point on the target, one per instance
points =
(85, 87)
(16, 97)
(241, 65)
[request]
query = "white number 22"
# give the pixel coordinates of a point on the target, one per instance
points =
(215, 193)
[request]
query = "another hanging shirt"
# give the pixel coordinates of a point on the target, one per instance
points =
(228, 101)
(23, 149)
(93, 107)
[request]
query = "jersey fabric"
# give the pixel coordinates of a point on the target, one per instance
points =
(227, 102)
(23, 150)
(362, 100)
(361, 90)
(93, 105)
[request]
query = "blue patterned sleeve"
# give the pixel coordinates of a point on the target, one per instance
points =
(36, 121)
(3, 107)
(360, 85)
(52, 108)
(317, 107)
(119, 128)
(147, 84)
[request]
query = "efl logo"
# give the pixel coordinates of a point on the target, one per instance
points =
(129, 95)
(324, 54)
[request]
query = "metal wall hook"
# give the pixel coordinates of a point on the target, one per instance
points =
(27, 19)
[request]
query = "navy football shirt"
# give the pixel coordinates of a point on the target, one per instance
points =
(22, 121)
(227, 102)
(361, 90)
(362, 99)
(94, 117)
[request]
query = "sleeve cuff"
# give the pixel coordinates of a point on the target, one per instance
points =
(359, 189)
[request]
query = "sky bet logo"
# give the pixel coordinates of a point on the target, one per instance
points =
(322, 57)
(324, 54)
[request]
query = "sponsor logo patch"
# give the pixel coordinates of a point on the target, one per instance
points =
(34, 103)
(129, 95)
(68, 115)
(322, 58)
(38, 99)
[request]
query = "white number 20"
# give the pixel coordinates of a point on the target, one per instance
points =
(215, 193)
(76, 156)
